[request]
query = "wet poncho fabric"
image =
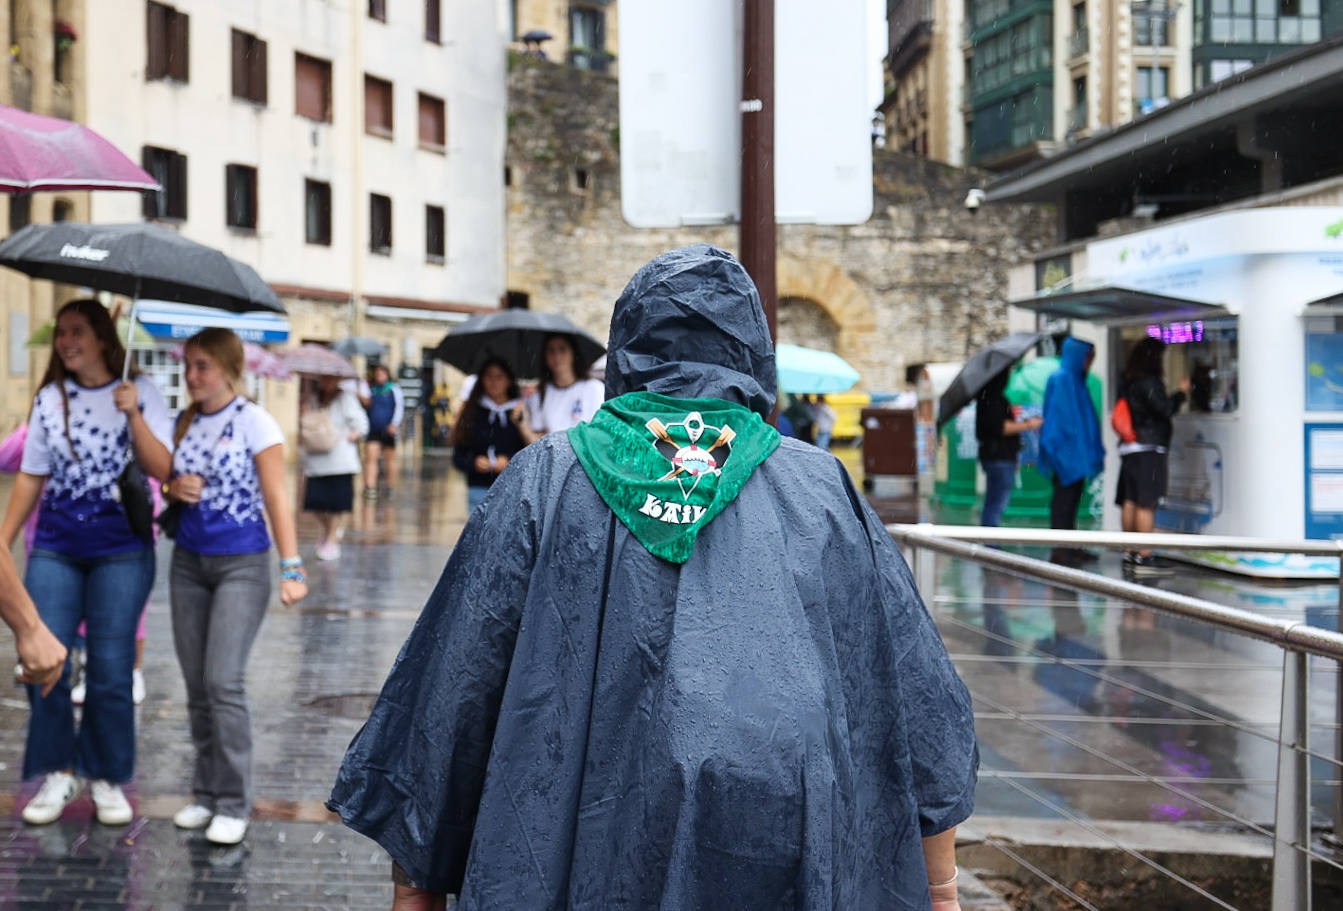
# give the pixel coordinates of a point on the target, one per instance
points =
(1070, 441)
(577, 723)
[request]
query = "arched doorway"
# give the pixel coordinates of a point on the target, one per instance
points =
(804, 322)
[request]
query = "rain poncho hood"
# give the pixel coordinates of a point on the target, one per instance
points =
(577, 723)
(1070, 441)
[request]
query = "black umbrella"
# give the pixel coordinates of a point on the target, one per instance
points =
(980, 370)
(517, 337)
(536, 36)
(139, 260)
(358, 344)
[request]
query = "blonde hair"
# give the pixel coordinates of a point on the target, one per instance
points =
(224, 348)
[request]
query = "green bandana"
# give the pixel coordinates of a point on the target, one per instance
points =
(667, 467)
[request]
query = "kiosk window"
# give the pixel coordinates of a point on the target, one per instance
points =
(1324, 363)
(1206, 351)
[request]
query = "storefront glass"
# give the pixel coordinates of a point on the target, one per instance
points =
(1324, 363)
(1206, 351)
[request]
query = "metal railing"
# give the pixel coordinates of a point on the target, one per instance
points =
(1292, 851)
(1078, 42)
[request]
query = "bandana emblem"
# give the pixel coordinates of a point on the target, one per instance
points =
(679, 443)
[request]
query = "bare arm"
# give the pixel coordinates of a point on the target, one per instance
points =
(939, 856)
(150, 452)
(270, 471)
(22, 499)
(40, 653)
(1016, 428)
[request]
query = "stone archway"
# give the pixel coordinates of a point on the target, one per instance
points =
(818, 295)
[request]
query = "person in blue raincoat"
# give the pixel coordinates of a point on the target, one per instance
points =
(676, 663)
(1071, 452)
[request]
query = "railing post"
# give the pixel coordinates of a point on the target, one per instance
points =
(1291, 836)
(925, 573)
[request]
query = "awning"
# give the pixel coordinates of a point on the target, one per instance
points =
(164, 319)
(1115, 304)
(1325, 306)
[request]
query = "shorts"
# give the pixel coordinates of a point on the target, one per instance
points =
(382, 438)
(328, 493)
(1142, 479)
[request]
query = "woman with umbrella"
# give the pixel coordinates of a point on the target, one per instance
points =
(87, 563)
(999, 434)
(329, 433)
(492, 428)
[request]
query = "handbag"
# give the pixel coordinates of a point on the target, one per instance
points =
(316, 432)
(170, 519)
(133, 493)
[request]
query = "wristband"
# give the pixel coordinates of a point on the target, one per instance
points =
(293, 575)
(955, 872)
(290, 562)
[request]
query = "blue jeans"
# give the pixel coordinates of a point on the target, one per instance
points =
(107, 593)
(474, 497)
(1000, 477)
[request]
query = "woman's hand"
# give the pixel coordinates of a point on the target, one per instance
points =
(354, 436)
(292, 591)
(500, 463)
(1184, 385)
(945, 898)
(41, 657)
(482, 464)
(188, 488)
(127, 398)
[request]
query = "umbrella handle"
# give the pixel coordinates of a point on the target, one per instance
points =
(130, 334)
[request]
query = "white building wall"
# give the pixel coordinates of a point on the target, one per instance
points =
(202, 121)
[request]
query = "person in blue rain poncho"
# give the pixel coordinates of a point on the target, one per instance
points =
(1071, 452)
(674, 662)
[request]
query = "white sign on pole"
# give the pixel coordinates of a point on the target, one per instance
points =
(680, 112)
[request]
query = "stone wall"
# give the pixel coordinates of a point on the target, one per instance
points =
(923, 280)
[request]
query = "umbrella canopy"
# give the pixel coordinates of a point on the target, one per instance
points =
(517, 337)
(807, 371)
(982, 368)
(536, 36)
(257, 361)
(140, 260)
(358, 344)
(317, 360)
(46, 153)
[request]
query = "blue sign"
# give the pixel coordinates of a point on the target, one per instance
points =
(163, 319)
(1324, 481)
(1324, 371)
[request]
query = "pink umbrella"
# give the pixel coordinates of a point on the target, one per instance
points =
(317, 360)
(47, 153)
(257, 360)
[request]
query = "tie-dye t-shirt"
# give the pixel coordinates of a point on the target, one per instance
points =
(81, 515)
(222, 448)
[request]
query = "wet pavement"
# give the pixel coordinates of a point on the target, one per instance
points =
(1087, 710)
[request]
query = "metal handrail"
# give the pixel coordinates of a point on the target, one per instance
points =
(1291, 831)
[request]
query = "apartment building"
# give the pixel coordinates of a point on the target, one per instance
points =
(1031, 77)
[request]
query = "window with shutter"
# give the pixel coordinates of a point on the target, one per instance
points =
(433, 123)
(240, 209)
(167, 42)
(435, 240)
(377, 106)
(377, 9)
(312, 87)
(432, 16)
(317, 212)
(380, 224)
(169, 169)
(249, 67)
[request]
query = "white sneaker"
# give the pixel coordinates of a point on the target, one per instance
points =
(226, 830)
(52, 798)
(327, 551)
(193, 816)
(112, 806)
(137, 686)
(79, 689)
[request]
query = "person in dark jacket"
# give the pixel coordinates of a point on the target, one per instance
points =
(1143, 463)
(492, 428)
(1071, 452)
(675, 662)
(999, 434)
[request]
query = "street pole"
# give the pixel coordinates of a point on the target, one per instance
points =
(758, 236)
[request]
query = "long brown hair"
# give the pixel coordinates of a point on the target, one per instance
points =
(581, 368)
(224, 348)
(465, 428)
(104, 329)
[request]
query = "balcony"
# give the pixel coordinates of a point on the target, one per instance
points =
(1078, 43)
(583, 59)
(1077, 117)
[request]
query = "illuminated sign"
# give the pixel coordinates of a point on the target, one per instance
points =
(1177, 333)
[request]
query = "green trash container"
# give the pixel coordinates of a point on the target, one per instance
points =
(955, 491)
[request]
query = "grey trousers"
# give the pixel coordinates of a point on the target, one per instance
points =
(218, 603)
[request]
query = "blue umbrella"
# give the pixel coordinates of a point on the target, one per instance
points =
(807, 371)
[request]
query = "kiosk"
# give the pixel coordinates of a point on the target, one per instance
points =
(1250, 303)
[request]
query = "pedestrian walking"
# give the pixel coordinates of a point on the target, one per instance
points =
(1071, 452)
(492, 427)
(228, 465)
(385, 406)
(567, 395)
(999, 434)
(330, 429)
(87, 561)
(679, 659)
(825, 420)
(1143, 461)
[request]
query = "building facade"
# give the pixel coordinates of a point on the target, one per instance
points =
(351, 153)
(582, 33)
(1036, 76)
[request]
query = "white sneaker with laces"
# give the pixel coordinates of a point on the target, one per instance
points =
(137, 686)
(193, 816)
(111, 803)
(51, 799)
(226, 830)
